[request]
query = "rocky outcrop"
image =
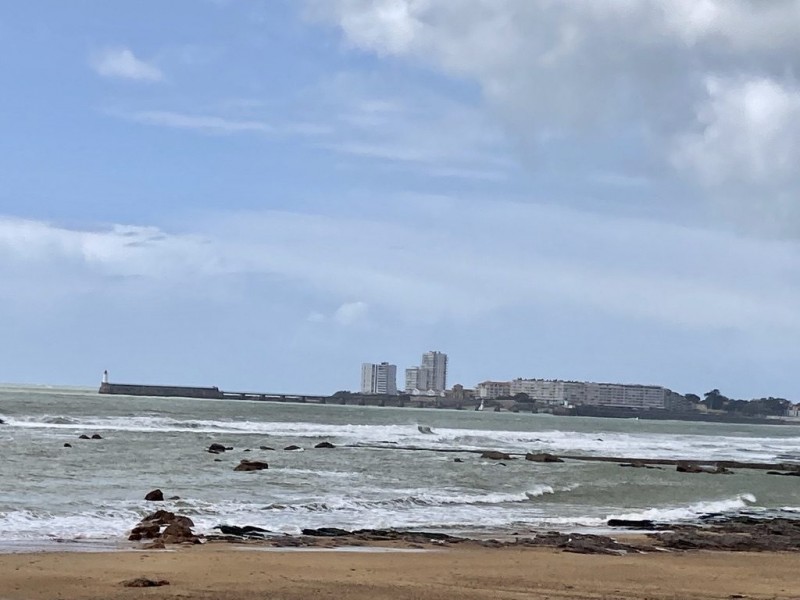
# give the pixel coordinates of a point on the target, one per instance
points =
(67, 445)
(251, 465)
(83, 436)
(324, 445)
(292, 447)
(166, 527)
(740, 534)
(495, 455)
(543, 457)
(155, 496)
(266, 448)
(97, 436)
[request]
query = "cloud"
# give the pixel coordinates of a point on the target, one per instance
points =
(622, 268)
(201, 123)
(350, 313)
(121, 63)
(624, 87)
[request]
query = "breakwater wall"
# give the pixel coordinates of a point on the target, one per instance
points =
(173, 391)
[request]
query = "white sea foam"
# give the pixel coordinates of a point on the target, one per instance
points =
(630, 444)
(690, 512)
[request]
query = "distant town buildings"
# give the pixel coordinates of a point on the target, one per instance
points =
(558, 392)
(430, 376)
(379, 378)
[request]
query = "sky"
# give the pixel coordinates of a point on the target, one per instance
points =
(263, 194)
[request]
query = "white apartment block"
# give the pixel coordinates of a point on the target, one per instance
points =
(430, 376)
(379, 378)
(416, 380)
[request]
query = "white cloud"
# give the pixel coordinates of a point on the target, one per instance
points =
(202, 123)
(121, 63)
(748, 132)
(350, 313)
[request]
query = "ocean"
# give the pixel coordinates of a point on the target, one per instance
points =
(93, 492)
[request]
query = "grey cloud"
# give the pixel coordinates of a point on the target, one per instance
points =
(673, 77)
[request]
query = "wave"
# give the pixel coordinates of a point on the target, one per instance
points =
(629, 444)
(417, 498)
(690, 512)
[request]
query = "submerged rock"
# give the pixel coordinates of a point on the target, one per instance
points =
(251, 465)
(543, 457)
(266, 448)
(83, 436)
(216, 448)
(324, 445)
(97, 436)
(67, 445)
(495, 455)
(293, 447)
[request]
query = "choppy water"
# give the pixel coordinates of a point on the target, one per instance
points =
(95, 490)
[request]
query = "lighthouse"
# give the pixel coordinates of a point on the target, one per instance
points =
(105, 376)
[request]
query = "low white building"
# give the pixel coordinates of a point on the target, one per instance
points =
(493, 389)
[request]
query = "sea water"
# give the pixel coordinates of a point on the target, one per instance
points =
(93, 491)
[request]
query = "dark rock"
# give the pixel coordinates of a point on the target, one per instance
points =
(97, 436)
(155, 496)
(178, 533)
(459, 460)
(246, 450)
(83, 436)
(265, 448)
(251, 465)
(689, 468)
(631, 523)
(2, 422)
(248, 531)
(293, 447)
(142, 582)
(495, 455)
(543, 457)
(156, 545)
(145, 529)
(324, 445)
(424, 429)
(216, 448)
(217, 460)
(67, 445)
(326, 532)
(174, 497)
(786, 474)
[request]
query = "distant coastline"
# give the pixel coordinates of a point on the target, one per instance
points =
(413, 401)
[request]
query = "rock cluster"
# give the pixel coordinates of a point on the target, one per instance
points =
(165, 527)
(685, 467)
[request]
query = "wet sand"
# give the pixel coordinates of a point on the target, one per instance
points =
(226, 571)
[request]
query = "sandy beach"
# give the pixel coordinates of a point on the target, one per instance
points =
(224, 571)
